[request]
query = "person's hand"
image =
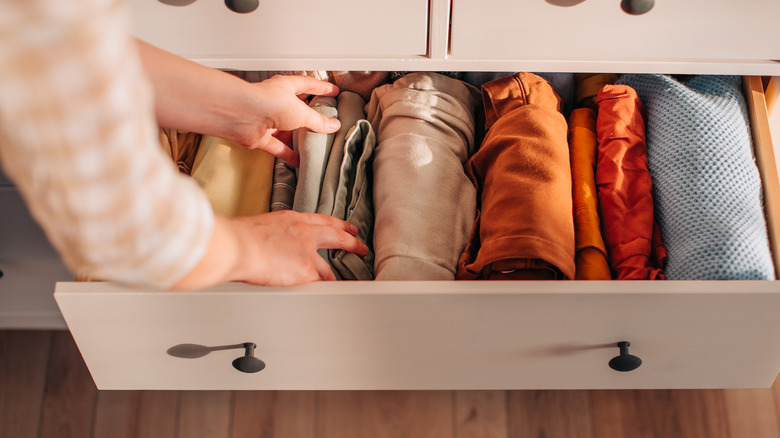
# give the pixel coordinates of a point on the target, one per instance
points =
(272, 249)
(281, 108)
(281, 246)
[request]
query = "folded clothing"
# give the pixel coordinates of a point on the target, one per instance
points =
(236, 180)
(525, 228)
(424, 204)
(625, 188)
(706, 185)
(347, 186)
(313, 149)
(590, 255)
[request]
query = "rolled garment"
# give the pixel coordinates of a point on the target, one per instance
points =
(236, 180)
(354, 202)
(350, 108)
(424, 204)
(564, 86)
(587, 87)
(283, 189)
(313, 149)
(182, 147)
(625, 188)
(590, 254)
(708, 194)
(361, 83)
(346, 186)
(525, 228)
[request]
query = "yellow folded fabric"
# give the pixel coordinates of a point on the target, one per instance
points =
(236, 180)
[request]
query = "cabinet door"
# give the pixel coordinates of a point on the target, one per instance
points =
(207, 29)
(29, 267)
(600, 30)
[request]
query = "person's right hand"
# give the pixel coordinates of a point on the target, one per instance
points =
(281, 247)
(272, 249)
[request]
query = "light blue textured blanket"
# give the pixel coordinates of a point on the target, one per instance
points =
(708, 196)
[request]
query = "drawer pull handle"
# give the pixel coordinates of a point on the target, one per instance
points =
(248, 363)
(1, 273)
(637, 7)
(624, 362)
(242, 6)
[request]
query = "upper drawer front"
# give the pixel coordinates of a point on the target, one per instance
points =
(285, 28)
(600, 30)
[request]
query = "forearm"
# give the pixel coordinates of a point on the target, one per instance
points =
(193, 97)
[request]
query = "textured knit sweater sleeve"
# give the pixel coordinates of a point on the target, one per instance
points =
(78, 137)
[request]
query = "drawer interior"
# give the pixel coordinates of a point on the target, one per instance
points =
(440, 334)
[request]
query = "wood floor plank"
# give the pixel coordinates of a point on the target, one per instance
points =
(69, 397)
(24, 356)
(385, 414)
(205, 414)
(274, 414)
(116, 414)
(158, 414)
(549, 414)
(752, 413)
(659, 413)
(481, 414)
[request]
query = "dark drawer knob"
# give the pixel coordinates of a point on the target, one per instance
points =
(1, 273)
(248, 363)
(624, 362)
(637, 7)
(242, 6)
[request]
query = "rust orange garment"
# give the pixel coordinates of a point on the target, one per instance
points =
(590, 256)
(633, 240)
(524, 227)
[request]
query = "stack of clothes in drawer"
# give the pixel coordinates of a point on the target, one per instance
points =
(515, 176)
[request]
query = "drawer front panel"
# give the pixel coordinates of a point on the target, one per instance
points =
(503, 337)
(600, 30)
(30, 267)
(285, 28)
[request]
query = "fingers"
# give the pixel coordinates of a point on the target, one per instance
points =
(320, 123)
(328, 221)
(323, 269)
(309, 85)
(278, 149)
(331, 238)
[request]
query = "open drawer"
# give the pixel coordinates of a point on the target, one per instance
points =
(440, 335)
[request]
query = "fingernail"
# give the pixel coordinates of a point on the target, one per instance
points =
(334, 124)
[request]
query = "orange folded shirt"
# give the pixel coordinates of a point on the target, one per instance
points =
(524, 227)
(590, 255)
(624, 184)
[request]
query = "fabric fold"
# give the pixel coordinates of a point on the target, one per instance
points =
(313, 149)
(525, 228)
(707, 188)
(424, 203)
(625, 188)
(236, 180)
(590, 255)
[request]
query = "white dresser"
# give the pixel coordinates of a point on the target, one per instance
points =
(452, 335)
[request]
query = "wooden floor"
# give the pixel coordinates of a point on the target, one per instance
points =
(47, 392)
